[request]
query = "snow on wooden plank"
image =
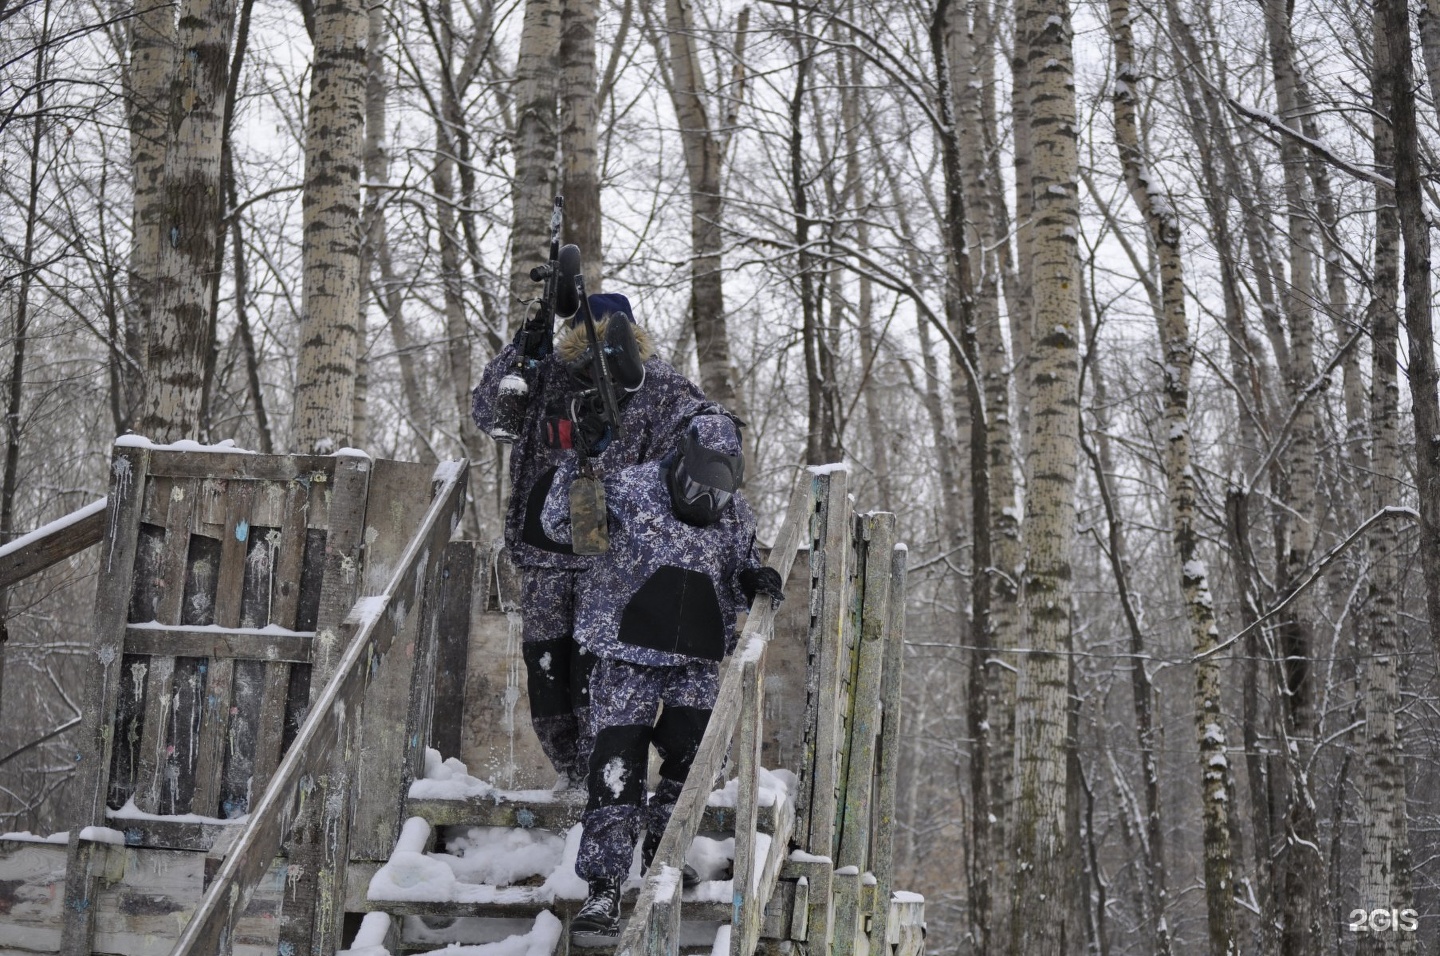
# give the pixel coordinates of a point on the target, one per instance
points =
(52, 543)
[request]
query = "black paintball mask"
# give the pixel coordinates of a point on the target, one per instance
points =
(706, 471)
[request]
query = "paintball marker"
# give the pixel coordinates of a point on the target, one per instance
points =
(536, 338)
(588, 519)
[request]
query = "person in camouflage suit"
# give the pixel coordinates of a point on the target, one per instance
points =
(658, 612)
(656, 404)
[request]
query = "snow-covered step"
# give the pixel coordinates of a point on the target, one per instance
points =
(541, 810)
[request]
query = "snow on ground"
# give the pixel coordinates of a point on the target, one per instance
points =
(540, 940)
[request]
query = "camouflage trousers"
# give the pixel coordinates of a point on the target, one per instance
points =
(557, 669)
(625, 702)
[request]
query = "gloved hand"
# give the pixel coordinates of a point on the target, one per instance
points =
(762, 580)
(534, 340)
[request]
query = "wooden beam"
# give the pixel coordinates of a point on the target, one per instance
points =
(178, 463)
(745, 925)
(53, 543)
(877, 532)
(882, 855)
(128, 469)
(251, 644)
(830, 571)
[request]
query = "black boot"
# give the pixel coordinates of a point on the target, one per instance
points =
(600, 916)
(688, 877)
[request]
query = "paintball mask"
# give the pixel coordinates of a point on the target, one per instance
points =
(707, 471)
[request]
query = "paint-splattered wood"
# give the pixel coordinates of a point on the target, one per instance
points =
(829, 560)
(401, 492)
(306, 911)
(368, 630)
(215, 716)
(171, 834)
(284, 611)
(452, 652)
(156, 753)
(878, 536)
(686, 817)
(882, 855)
(206, 464)
(57, 541)
(254, 644)
(140, 905)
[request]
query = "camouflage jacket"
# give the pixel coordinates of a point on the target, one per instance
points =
(653, 419)
(666, 593)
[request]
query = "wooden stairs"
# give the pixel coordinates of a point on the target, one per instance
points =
(282, 658)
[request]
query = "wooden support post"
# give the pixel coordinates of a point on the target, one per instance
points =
(812, 924)
(848, 925)
(128, 469)
(662, 930)
(749, 908)
(830, 573)
(877, 534)
(301, 915)
(452, 653)
(882, 856)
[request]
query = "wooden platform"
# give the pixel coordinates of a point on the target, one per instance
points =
(277, 642)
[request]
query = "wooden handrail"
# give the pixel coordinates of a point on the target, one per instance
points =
(53, 543)
(656, 914)
(367, 631)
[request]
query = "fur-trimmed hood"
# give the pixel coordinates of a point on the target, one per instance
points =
(570, 346)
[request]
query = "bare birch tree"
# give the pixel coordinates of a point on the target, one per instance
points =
(1040, 836)
(334, 153)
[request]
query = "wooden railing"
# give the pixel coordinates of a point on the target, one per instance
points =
(325, 752)
(52, 544)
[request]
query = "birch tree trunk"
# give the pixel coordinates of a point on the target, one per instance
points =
(578, 146)
(536, 131)
(334, 143)
(1040, 838)
(1301, 865)
(179, 327)
(1177, 360)
(1384, 848)
(1428, 12)
(1414, 229)
(704, 148)
(147, 82)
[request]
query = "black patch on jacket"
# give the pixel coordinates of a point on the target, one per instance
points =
(676, 612)
(531, 531)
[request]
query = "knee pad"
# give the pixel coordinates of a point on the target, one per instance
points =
(547, 671)
(678, 733)
(618, 765)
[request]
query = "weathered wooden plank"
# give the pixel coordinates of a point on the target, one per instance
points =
(818, 874)
(685, 819)
(215, 718)
(782, 744)
(207, 464)
(310, 846)
(662, 932)
(452, 653)
(288, 568)
(878, 531)
(829, 563)
(882, 855)
(155, 751)
(906, 922)
(171, 834)
(847, 926)
(52, 544)
(745, 924)
(369, 630)
(256, 644)
(395, 701)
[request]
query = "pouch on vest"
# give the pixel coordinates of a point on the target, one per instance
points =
(588, 531)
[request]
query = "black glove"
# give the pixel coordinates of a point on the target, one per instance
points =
(534, 340)
(764, 581)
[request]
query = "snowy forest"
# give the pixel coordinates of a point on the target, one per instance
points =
(1123, 308)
